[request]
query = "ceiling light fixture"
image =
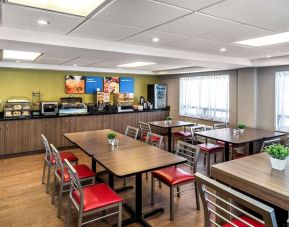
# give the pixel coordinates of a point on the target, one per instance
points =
(17, 61)
(76, 7)
(136, 64)
(266, 40)
(223, 49)
(43, 22)
(20, 55)
(155, 39)
(268, 56)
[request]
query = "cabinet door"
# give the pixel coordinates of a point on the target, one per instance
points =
(52, 131)
(2, 149)
(68, 124)
(34, 129)
(89, 123)
(15, 135)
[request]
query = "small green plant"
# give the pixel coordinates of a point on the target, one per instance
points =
(169, 118)
(277, 151)
(111, 135)
(241, 126)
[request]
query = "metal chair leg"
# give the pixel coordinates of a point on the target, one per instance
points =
(208, 164)
(67, 221)
(172, 211)
(147, 177)
(160, 184)
(79, 221)
(119, 223)
(54, 189)
(205, 159)
(44, 171)
(215, 158)
(152, 190)
(178, 192)
(48, 179)
(60, 200)
(124, 181)
(197, 196)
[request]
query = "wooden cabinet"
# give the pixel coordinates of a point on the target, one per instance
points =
(17, 136)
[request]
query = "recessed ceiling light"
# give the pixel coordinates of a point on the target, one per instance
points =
(223, 49)
(20, 55)
(76, 7)
(266, 40)
(136, 64)
(17, 61)
(43, 22)
(74, 65)
(268, 56)
(155, 39)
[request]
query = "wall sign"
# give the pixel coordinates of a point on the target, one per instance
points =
(74, 84)
(126, 84)
(111, 85)
(93, 84)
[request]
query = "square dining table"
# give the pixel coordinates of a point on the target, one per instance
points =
(169, 126)
(250, 136)
(130, 158)
(253, 175)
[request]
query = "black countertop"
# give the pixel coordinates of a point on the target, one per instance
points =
(75, 115)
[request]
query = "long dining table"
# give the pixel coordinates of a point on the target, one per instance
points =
(129, 158)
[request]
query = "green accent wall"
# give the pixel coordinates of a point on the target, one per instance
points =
(21, 82)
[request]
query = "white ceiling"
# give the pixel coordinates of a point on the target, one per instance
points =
(191, 33)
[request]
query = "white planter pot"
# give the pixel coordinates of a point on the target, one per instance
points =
(111, 141)
(241, 130)
(278, 164)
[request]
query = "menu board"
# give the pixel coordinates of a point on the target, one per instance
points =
(111, 85)
(93, 84)
(126, 84)
(74, 84)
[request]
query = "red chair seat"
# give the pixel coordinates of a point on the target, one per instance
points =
(241, 224)
(209, 147)
(172, 175)
(97, 196)
(183, 134)
(83, 171)
(152, 138)
(65, 155)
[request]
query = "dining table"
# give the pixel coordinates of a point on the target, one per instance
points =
(169, 125)
(254, 176)
(232, 136)
(129, 157)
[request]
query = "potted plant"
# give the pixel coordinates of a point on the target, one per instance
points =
(241, 128)
(169, 120)
(111, 137)
(278, 155)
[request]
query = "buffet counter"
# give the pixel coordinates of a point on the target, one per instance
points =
(22, 135)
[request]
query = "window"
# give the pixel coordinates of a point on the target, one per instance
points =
(282, 101)
(205, 97)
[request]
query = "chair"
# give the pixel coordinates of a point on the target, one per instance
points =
(144, 129)
(131, 132)
(267, 143)
(91, 199)
(61, 176)
(206, 148)
(49, 160)
(174, 177)
(154, 139)
(225, 205)
(220, 125)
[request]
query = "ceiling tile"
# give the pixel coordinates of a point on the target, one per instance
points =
(248, 10)
(190, 4)
(26, 18)
(236, 33)
(104, 30)
(194, 25)
(141, 13)
(276, 24)
(145, 38)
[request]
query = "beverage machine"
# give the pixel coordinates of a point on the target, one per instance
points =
(157, 94)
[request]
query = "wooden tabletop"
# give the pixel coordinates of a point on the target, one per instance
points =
(254, 175)
(95, 142)
(173, 124)
(128, 158)
(250, 135)
(122, 163)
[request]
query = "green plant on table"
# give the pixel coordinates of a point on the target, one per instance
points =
(169, 118)
(111, 135)
(277, 151)
(241, 126)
